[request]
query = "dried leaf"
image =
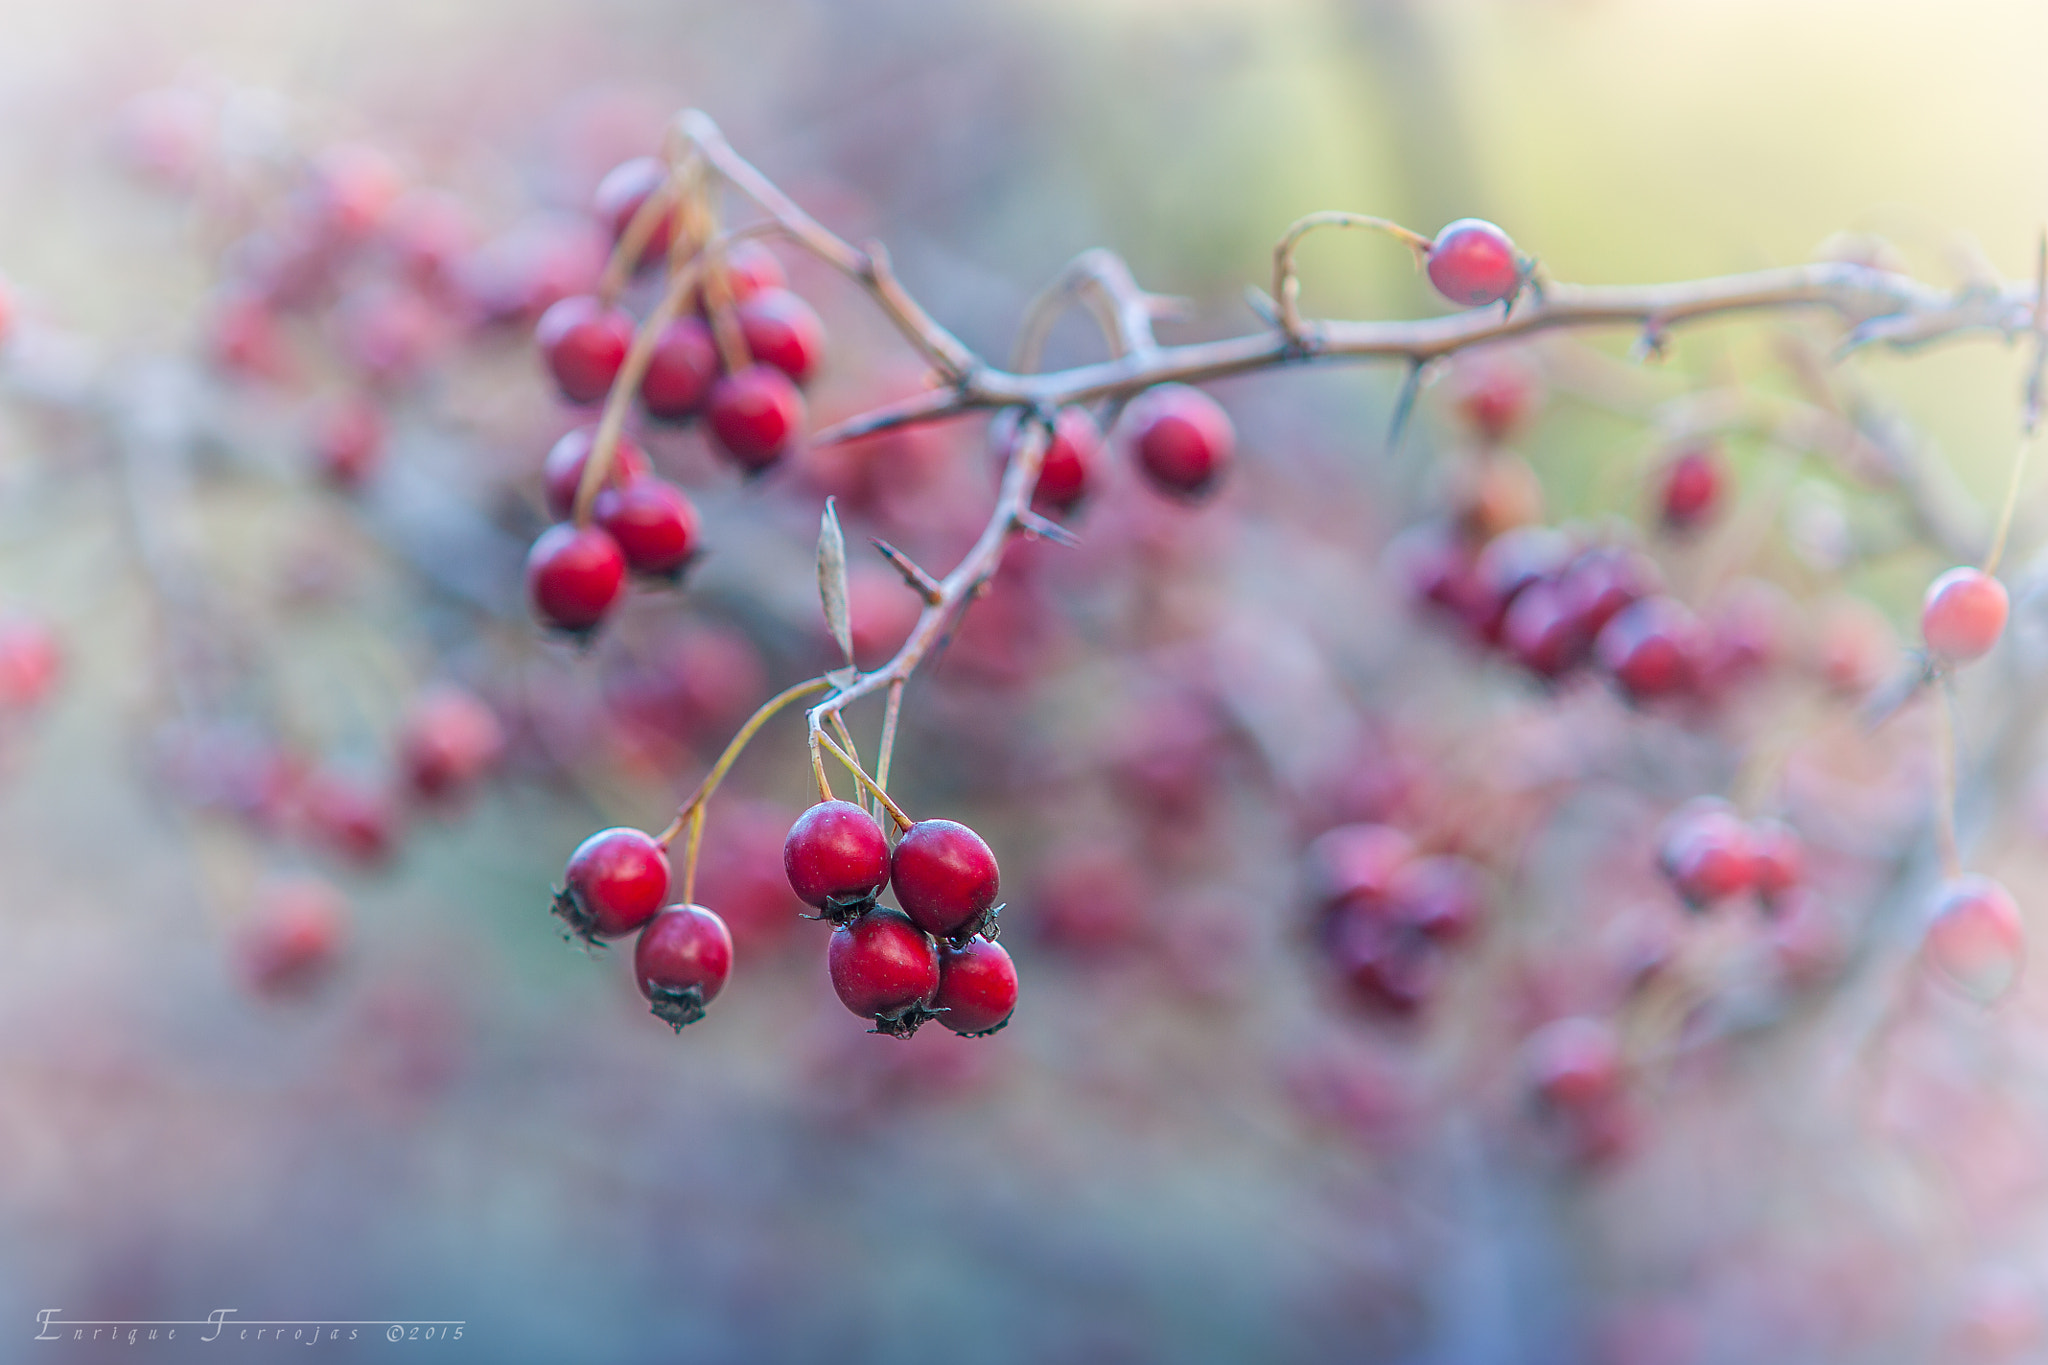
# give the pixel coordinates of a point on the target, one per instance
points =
(832, 580)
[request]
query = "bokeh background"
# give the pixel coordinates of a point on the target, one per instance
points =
(1183, 1149)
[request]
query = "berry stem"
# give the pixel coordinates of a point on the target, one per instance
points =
(690, 847)
(860, 775)
(1287, 284)
(632, 243)
(733, 749)
(888, 744)
(2012, 498)
(718, 301)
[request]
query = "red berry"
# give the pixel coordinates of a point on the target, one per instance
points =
(620, 194)
(1689, 487)
(1356, 863)
(680, 371)
(574, 575)
(427, 233)
(977, 988)
(1543, 632)
(1651, 648)
(1434, 566)
(753, 415)
(353, 188)
(1704, 850)
(1068, 465)
(30, 661)
(681, 961)
(654, 524)
(349, 818)
(1441, 897)
(1603, 580)
(1387, 966)
(1963, 615)
(884, 968)
(1182, 438)
(1473, 263)
(1573, 1064)
(563, 471)
(782, 330)
(289, 943)
(1777, 858)
(1976, 939)
(615, 882)
(1509, 565)
(584, 343)
(945, 878)
(1496, 396)
(348, 441)
(451, 739)
(750, 268)
(837, 858)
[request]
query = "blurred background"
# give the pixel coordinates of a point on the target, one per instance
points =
(286, 1029)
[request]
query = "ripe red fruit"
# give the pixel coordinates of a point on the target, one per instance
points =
(1704, 850)
(782, 330)
(1474, 263)
(681, 961)
(1068, 465)
(352, 188)
(451, 739)
(750, 268)
(1434, 566)
(427, 233)
(1387, 966)
(1777, 858)
(1440, 897)
(1573, 1064)
(563, 471)
(1182, 438)
(620, 194)
(753, 415)
(615, 882)
(1651, 648)
(290, 941)
(348, 441)
(680, 371)
(30, 661)
(573, 576)
(583, 343)
(837, 858)
(1689, 487)
(1356, 863)
(1963, 615)
(977, 988)
(884, 968)
(1543, 632)
(349, 818)
(1508, 566)
(945, 878)
(1976, 939)
(1603, 580)
(1496, 396)
(654, 524)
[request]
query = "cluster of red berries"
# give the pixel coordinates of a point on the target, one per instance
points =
(640, 523)
(1574, 1070)
(617, 884)
(1180, 438)
(1387, 914)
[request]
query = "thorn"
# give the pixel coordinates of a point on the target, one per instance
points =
(1045, 528)
(920, 582)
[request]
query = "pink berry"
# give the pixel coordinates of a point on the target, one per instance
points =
(30, 661)
(1473, 263)
(584, 343)
(1704, 850)
(977, 988)
(1509, 565)
(574, 576)
(680, 371)
(1182, 438)
(1387, 966)
(1574, 1063)
(782, 330)
(654, 524)
(620, 194)
(1543, 632)
(837, 858)
(884, 968)
(682, 960)
(351, 818)
(562, 474)
(1977, 940)
(1603, 580)
(1496, 396)
(1777, 858)
(945, 878)
(754, 415)
(1651, 648)
(290, 942)
(615, 882)
(1441, 897)
(451, 739)
(1963, 615)
(1689, 487)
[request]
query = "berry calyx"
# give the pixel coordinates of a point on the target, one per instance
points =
(680, 370)
(1976, 939)
(945, 878)
(884, 968)
(782, 330)
(682, 960)
(1474, 263)
(1182, 438)
(1689, 487)
(562, 473)
(837, 859)
(977, 988)
(620, 194)
(573, 576)
(583, 343)
(1963, 615)
(753, 415)
(615, 882)
(654, 524)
